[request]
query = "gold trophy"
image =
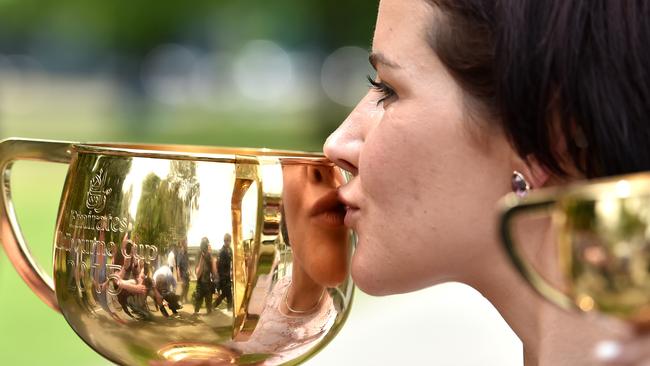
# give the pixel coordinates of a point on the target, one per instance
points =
(191, 255)
(600, 244)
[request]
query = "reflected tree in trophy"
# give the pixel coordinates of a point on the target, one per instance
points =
(165, 206)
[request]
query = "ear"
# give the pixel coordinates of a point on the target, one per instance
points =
(535, 174)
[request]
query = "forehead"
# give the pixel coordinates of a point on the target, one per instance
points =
(402, 29)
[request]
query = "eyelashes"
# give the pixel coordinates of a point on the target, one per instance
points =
(386, 91)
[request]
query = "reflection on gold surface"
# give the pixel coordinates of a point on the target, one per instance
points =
(603, 244)
(163, 255)
(299, 309)
(179, 352)
(586, 303)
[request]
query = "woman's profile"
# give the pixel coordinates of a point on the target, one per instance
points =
(473, 99)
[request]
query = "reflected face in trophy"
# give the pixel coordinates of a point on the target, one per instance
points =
(314, 221)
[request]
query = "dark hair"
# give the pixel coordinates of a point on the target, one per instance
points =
(204, 245)
(572, 69)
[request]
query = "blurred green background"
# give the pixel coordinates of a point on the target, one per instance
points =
(279, 74)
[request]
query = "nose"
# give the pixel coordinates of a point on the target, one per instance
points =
(325, 176)
(345, 144)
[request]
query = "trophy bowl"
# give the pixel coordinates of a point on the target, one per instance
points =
(601, 246)
(191, 255)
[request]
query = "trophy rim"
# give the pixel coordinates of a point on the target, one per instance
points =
(201, 153)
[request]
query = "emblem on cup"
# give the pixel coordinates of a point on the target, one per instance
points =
(96, 196)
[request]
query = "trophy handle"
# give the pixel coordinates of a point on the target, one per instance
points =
(512, 206)
(12, 150)
(256, 259)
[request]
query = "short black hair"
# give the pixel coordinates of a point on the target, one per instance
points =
(572, 69)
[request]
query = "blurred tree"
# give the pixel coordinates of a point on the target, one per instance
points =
(165, 206)
(148, 221)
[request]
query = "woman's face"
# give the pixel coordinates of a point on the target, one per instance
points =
(314, 219)
(427, 177)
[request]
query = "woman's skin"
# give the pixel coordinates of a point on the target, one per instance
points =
(318, 238)
(428, 172)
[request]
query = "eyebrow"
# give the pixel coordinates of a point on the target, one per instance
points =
(376, 58)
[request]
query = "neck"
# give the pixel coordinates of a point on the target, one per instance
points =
(516, 303)
(496, 278)
(303, 294)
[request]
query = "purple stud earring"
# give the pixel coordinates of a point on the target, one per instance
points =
(519, 184)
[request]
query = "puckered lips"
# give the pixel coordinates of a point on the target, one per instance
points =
(329, 210)
(352, 209)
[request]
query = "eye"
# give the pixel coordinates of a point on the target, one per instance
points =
(386, 91)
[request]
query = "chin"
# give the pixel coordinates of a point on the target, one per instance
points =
(370, 281)
(367, 274)
(333, 278)
(374, 280)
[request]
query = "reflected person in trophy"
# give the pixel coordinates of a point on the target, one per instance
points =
(127, 278)
(165, 289)
(224, 269)
(137, 302)
(206, 272)
(171, 260)
(183, 267)
(299, 309)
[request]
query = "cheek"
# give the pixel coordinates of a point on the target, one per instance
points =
(398, 174)
(429, 188)
(292, 206)
(399, 156)
(325, 255)
(427, 162)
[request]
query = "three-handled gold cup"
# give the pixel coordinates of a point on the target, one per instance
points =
(191, 254)
(601, 246)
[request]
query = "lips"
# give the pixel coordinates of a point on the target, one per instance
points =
(351, 217)
(352, 209)
(345, 201)
(329, 209)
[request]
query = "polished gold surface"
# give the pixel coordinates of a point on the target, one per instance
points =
(603, 245)
(186, 254)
